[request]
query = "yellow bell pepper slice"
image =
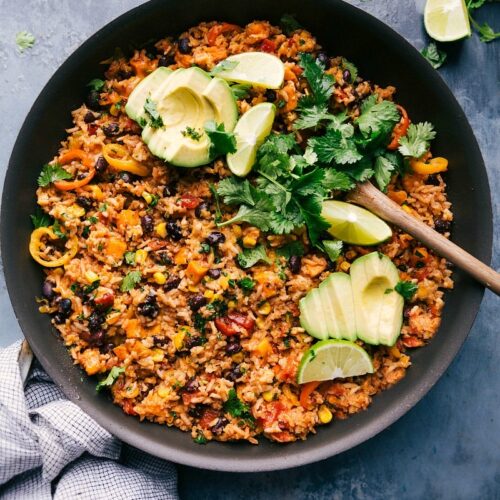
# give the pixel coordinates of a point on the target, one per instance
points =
(119, 158)
(36, 243)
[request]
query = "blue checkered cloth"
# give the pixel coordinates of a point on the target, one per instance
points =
(49, 448)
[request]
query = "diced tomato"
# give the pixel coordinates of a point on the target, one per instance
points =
(412, 342)
(189, 201)
(105, 301)
(128, 408)
(242, 320)
(226, 326)
(268, 45)
(92, 128)
(208, 416)
(272, 413)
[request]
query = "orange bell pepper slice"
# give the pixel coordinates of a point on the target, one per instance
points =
(307, 390)
(433, 166)
(400, 129)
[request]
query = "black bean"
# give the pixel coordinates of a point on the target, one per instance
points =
(197, 410)
(162, 258)
(166, 60)
(174, 231)
(202, 207)
(81, 176)
(101, 165)
(149, 307)
(107, 347)
(147, 224)
(84, 202)
(90, 117)
(184, 47)
(193, 341)
(111, 129)
(92, 100)
(172, 283)
(197, 302)
(234, 374)
(218, 428)
(95, 322)
(442, 226)
(191, 385)
(323, 58)
(97, 338)
(270, 95)
(346, 75)
(294, 263)
(48, 290)
(214, 273)
(215, 238)
(169, 190)
(433, 180)
(59, 318)
(233, 347)
(65, 307)
(126, 177)
(124, 74)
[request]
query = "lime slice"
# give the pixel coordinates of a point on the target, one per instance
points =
(256, 68)
(330, 359)
(354, 224)
(446, 20)
(250, 131)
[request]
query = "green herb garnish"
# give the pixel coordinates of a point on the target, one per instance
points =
(289, 24)
(246, 284)
(25, 40)
(52, 173)
(406, 289)
(155, 120)
(223, 66)
(240, 90)
(40, 218)
(130, 281)
(96, 84)
(416, 142)
(191, 133)
(250, 256)
(333, 249)
(433, 55)
(236, 408)
(114, 373)
(222, 142)
(129, 258)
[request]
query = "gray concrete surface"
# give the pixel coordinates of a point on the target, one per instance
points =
(448, 446)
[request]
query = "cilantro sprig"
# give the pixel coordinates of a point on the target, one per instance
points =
(155, 120)
(52, 173)
(434, 56)
(130, 281)
(406, 289)
(485, 31)
(222, 142)
(236, 408)
(113, 375)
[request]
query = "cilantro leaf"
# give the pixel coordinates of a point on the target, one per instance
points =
(336, 180)
(25, 40)
(353, 70)
(129, 258)
(155, 120)
(240, 90)
(333, 249)
(247, 284)
(383, 172)
(223, 66)
(475, 4)
(114, 373)
(250, 256)
(416, 142)
(406, 289)
(335, 146)
(96, 84)
(377, 118)
(222, 142)
(40, 218)
(56, 227)
(200, 438)
(236, 191)
(235, 407)
(321, 83)
(191, 133)
(293, 248)
(310, 116)
(433, 55)
(289, 24)
(485, 31)
(130, 281)
(362, 170)
(52, 173)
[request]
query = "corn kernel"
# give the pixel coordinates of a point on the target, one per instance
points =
(147, 197)
(238, 357)
(163, 392)
(159, 278)
(178, 339)
(345, 266)
(232, 304)
(157, 355)
(264, 348)
(264, 308)
(290, 395)
(260, 323)
(208, 294)
(237, 230)
(90, 276)
(249, 241)
(193, 288)
(141, 256)
(161, 229)
(224, 282)
(324, 414)
(74, 212)
(217, 296)
(268, 396)
(394, 351)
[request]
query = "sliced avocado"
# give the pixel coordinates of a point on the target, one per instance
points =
(379, 308)
(135, 103)
(328, 311)
(189, 99)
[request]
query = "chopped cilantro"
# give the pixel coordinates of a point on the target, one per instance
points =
(406, 289)
(215, 194)
(222, 142)
(335, 146)
(236, 408)
(24, 40)
(191, 133)
(247, 284)
(52, 173)
(155, 119)
(240, 90)
(40, 218)
(205, 248)
(200, 438)
(377, 118)
(103, 207)
(250, 256)
(433, 55)
(96, 84)
(56, 227)
(93, 220)
(129, 258)
(130, 281)
(114, 373)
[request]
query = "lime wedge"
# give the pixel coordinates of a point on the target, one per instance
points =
(250, 131)
(354, 224)
(446, 20)
(330, 359)
(256, 68)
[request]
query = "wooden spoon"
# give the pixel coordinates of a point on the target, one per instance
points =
(368, 196)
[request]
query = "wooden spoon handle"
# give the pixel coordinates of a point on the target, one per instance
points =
(368, 196)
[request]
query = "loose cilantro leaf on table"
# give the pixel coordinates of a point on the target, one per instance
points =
(155, 120)
(52, 173)
(417, 139)
(115, 372)
(130, 281)
(485, 31)
(289, 24)
(40, 218)
(406, 289)
(433, 55)
(236, 408)
(223, 66)
(250, 256)
(25, 40)
(222, 142)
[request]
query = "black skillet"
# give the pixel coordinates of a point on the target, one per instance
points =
(383, 57)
